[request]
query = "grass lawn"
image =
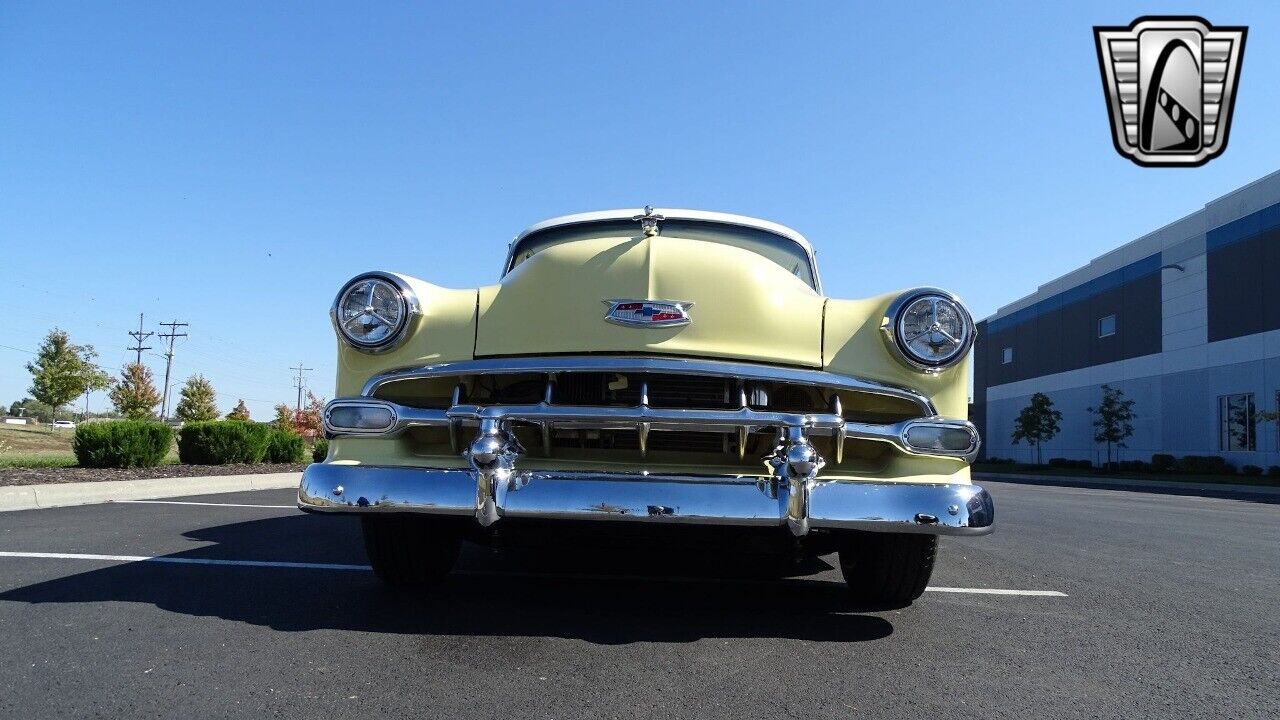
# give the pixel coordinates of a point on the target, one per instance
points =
(35, 446)
(40, 446)
(1237, 479)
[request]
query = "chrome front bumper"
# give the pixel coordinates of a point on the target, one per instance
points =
(789, 492)
(950, 509)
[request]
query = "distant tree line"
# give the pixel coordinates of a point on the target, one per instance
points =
(1039, 422)
(63, 371)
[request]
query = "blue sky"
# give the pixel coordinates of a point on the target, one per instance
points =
(230, 165)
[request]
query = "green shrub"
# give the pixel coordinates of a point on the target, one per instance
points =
(220, 442)
(285, 446)
(1273, 471)
(1251, 470)
(1161, 462)
(1132, 466)
(1066, 463)
(121, 443)
(1206, 464)
(321, 451)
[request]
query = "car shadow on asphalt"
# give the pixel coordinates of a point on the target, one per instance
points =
(595, 595)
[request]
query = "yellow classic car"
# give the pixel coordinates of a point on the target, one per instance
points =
(663, 371)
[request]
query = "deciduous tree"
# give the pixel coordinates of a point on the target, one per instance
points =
(308, 420)
(63, 371)
(198, 401)
(1038, 423)
(241, 412)
(1113, 419)
(135, 395)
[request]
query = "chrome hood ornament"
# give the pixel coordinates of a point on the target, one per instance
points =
(648, 313)
(649, 221)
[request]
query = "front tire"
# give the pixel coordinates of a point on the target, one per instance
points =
(887, 569)
(410, 552)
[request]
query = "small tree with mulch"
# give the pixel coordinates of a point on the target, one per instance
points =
(1113, 420)
(1038, 423)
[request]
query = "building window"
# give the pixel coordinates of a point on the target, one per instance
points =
(1107, 326)
(1236, 422)
(1006, 356)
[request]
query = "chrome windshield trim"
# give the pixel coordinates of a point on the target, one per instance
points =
(643, 364)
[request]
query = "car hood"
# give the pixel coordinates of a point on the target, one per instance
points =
(744, 306)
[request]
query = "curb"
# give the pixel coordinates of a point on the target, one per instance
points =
(1229, 491)
(36, 497)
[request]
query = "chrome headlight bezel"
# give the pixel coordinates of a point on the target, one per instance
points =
(409, 311)
(892, 330)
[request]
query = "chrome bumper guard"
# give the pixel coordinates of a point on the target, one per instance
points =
(943, 509)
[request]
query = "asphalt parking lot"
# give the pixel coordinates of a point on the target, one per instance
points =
(1145, 606)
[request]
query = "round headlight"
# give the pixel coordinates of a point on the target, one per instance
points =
(372, 311)
(928, 329)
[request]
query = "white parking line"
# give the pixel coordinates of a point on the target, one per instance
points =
(337, 566)
(206, 504)
(743, 581)
(185, 561)
(997, 591)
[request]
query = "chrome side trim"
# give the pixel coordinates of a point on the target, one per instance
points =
(651, 364)
(939, 509)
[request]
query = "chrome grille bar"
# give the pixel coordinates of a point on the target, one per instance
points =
(741, 371)
(626, 418)
(653, 419)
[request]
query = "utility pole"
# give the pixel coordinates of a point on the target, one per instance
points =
(300, 382)
(172, 335)
(138, 338)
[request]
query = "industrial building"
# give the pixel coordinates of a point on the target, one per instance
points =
(1184, 320)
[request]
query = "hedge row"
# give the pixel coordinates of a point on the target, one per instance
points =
(135, 443)
(222, 442)
(121, 444)
(1160, 463)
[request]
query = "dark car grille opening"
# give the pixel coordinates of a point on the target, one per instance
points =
(630, 389)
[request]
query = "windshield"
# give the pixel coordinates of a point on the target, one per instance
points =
(785, 252)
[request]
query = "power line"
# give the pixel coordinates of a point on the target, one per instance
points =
(172, 335)
(300, 382)
(138, 338)
(10, 347)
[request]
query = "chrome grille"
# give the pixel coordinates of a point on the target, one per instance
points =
(632, 405)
